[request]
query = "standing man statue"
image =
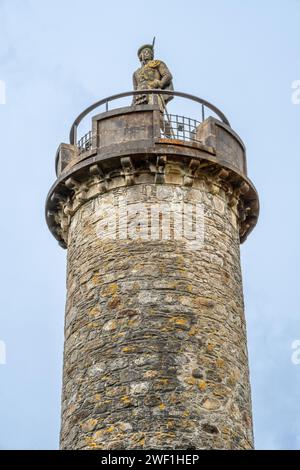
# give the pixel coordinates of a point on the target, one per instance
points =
(153, 74)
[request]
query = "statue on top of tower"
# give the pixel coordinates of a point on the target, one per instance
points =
(153, 74)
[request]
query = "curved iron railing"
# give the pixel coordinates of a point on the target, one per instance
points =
(105, 101)
(172, 127)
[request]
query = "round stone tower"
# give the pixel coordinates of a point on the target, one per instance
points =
(155, 350)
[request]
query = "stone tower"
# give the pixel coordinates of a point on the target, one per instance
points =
(155, 340)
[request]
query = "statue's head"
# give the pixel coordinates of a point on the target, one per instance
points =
(146, 52)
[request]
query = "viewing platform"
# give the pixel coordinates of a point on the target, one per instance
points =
(141, 144)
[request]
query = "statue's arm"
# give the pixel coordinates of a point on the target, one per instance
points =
(166, 76)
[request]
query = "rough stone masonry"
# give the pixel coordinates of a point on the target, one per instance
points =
(155, 339)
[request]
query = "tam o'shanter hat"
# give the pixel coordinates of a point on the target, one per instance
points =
(148, 46)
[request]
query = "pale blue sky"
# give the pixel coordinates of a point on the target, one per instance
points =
(59, 56)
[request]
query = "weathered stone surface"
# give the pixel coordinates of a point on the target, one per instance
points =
(155, 339)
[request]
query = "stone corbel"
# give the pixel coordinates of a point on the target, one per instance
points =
(223, 174)
(254, 206)
(64, 237)
(79, 189)
(244, 188)
(160, 169)
(60, 203)
(58, 222)
(242, 210)
(98, 178)
(56, 198)
(128, 170)
(189, 176)
(243, 231)
(232, 195)
(51, 216)
(67, 209)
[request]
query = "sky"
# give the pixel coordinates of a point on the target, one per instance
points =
(59, 56)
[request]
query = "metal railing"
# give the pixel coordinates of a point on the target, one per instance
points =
(204, 105)
(85, 143)
(173, 127)
(179, 127)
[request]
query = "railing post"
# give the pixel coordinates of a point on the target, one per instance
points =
(75, 135)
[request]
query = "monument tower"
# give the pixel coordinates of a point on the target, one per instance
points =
(152, 208)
